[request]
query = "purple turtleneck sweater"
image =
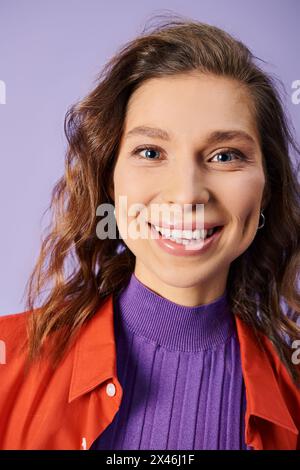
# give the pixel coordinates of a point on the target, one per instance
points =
(181, 375)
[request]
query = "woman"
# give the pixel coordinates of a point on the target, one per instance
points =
(162, 341)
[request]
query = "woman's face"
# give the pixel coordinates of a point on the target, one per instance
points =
(192, 165)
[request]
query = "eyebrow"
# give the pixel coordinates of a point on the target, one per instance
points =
(213, 138)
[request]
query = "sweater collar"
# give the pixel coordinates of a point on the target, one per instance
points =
(174, 326)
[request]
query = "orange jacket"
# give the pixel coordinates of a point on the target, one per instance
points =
(69, 407)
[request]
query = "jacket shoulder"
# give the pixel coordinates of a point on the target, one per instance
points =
(279, 368)
(13, 331)
(289, 389)
(13, 319)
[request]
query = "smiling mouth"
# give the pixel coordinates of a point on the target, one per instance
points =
(183, 240)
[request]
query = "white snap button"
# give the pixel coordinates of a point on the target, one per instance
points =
(110, 389)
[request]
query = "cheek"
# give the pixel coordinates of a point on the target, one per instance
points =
(133, 182)
(242, 201)
(132, 195)
(241, 194)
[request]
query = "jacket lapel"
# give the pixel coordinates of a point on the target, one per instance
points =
(94, 359)
(94, 364)
(269, 424)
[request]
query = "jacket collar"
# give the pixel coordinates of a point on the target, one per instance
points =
(264, 397)
(95, 352)
(95, 362)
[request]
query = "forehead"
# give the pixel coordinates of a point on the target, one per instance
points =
(191, 104)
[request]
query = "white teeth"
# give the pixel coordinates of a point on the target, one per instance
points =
(184, 236)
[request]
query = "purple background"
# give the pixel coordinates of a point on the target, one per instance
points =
(50, 53)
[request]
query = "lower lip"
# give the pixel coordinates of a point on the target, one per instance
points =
(181, 250)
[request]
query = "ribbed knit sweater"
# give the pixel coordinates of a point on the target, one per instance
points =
(181, 375)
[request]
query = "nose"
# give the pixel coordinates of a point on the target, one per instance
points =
(186, 185)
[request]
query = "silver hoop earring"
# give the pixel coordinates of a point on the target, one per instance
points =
(263, 223)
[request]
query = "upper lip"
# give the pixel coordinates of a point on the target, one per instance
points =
(187, 226)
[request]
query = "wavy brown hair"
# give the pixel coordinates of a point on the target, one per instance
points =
(261, 282)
